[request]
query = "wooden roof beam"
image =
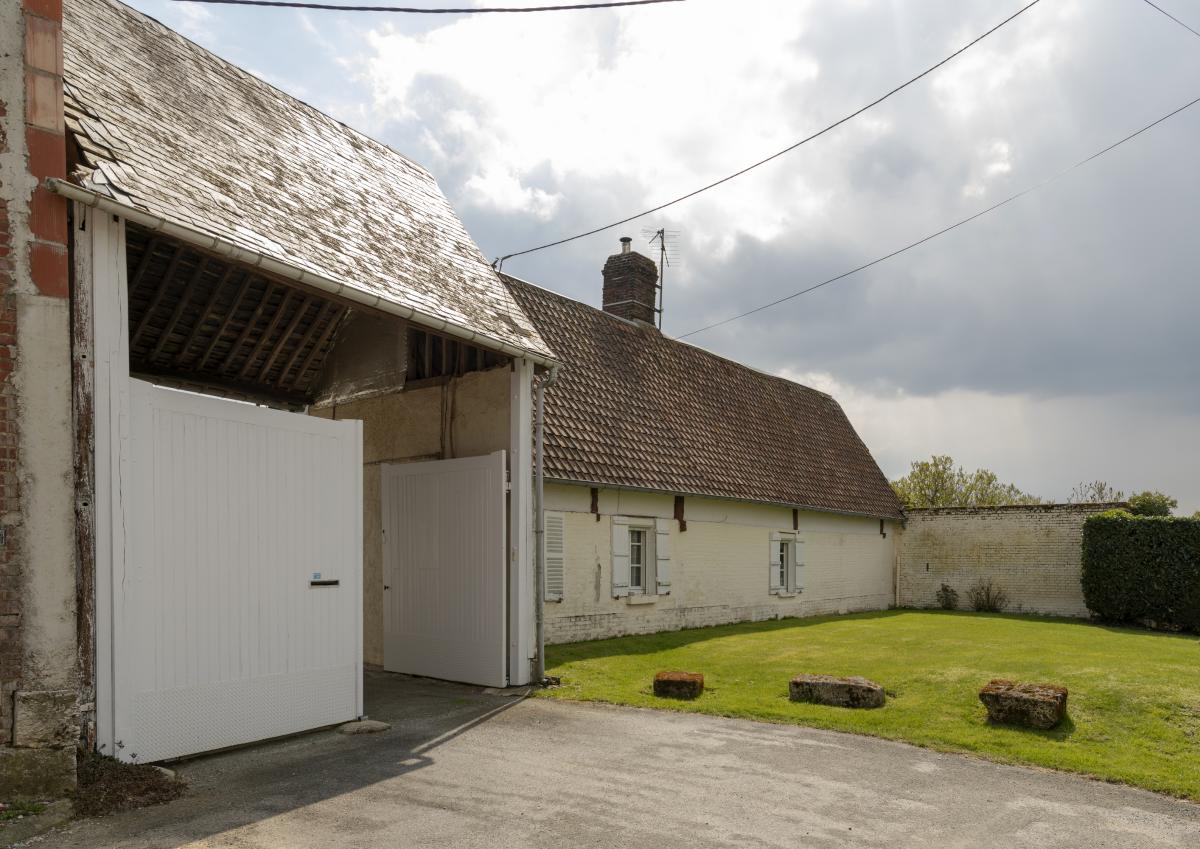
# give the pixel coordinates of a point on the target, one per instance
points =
(233, 308)
(177, 313)
(205, 314)
(157, 298)
(266, 334)
(283, 338)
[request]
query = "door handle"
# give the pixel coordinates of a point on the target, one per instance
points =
(386, 587)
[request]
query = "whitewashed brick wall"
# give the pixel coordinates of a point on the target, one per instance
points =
(1032, 552)
(719, 565)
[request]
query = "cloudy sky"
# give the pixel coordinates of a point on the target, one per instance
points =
(1053, 341)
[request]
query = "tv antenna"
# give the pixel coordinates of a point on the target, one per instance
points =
(668, 255)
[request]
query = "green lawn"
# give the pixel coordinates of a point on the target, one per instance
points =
(1133, 712)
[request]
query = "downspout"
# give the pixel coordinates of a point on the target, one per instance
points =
(539, 522)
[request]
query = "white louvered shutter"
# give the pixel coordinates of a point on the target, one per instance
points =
(798, 567)
(620, 557)
(662, 555)
(555, 556)
(773, 564)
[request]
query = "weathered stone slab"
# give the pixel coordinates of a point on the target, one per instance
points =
(45, 718)
(678, 685)
(1031, 705)
(363, 726)
(852, 692)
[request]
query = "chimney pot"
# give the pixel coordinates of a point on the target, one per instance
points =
(625, 244)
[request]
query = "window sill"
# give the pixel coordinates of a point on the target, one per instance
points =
(640, 598)
(784, 594)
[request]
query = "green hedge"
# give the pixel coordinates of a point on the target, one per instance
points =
(1142, 569)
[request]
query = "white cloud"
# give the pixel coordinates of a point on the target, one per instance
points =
(195, 21)
(652, 96)
(977, 79)
(996, 162)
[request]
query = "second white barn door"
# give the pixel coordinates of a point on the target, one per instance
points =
(444, 569)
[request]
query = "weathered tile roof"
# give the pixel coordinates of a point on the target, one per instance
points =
(176, 132)
(634, 408)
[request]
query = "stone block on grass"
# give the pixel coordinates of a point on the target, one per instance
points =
(852, 692)
(1040, 706)
(678, 685)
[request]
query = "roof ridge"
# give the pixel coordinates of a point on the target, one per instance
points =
(671, 339)
(259, 80)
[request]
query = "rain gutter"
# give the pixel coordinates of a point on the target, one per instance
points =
(273, 266)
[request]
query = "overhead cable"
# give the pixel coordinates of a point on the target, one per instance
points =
(500, 260)
(1172, 17)
(416, 10)
(944, 230)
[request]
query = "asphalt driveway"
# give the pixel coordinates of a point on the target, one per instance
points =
(463, 768)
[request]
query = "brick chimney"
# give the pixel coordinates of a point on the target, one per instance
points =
(630, 285)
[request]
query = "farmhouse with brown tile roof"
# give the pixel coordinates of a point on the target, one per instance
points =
(692, 489)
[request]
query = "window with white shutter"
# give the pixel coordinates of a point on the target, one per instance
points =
(636, 565)
(784, 576)
(775, 564)
(639, 559)
(620, 557)
(662, 556)
(555, 555)
(798, 566)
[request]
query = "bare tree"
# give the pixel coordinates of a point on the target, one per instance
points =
(1094, 492)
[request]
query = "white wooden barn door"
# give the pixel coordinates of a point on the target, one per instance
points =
(237, 610)
(444, 569)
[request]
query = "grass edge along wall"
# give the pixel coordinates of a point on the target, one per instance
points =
(719, 570)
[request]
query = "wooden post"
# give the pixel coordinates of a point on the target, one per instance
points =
(82, 387)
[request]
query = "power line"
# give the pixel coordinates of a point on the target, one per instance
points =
(945, 230)
(500, 261)
(289, 4)
(1172, 17)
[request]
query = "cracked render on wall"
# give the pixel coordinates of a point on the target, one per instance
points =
(38, 647)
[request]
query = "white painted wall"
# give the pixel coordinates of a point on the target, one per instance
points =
(719, 565)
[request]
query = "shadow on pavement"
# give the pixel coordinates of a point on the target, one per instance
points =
(246, 785)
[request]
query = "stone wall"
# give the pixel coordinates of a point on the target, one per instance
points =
(38, 647)
(1032, 552)
(719, 565)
